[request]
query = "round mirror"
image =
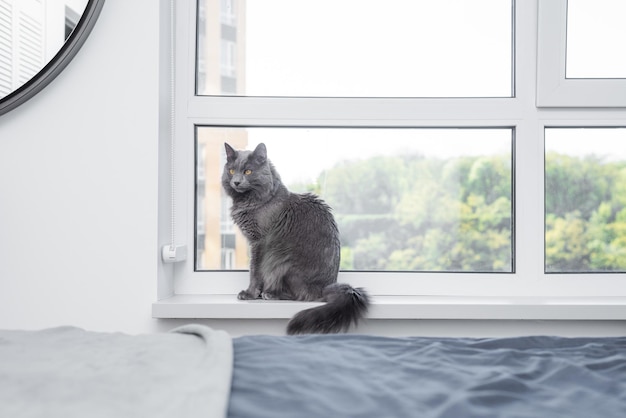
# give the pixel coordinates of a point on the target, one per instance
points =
(38, 38)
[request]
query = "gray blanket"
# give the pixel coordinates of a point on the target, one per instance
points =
(366, 376)
(68, 372)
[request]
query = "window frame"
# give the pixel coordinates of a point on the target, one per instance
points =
(554, 89)
(519, 112)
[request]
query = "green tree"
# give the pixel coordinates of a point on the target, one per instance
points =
(566, 245)
(585, 218)
(575, 184)
(413, 213)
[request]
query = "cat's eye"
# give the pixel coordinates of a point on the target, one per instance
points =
(231, 171)
(247, 172)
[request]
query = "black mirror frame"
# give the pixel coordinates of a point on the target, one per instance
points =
(58, 62)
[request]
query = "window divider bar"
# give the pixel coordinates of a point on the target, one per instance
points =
(336, 111)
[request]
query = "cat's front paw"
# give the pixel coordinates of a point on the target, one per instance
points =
(269, 296)
(246, 295)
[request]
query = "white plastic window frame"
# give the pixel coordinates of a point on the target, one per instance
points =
(519, 113)
(553, 88)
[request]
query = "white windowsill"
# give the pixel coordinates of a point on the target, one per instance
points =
(404, 307)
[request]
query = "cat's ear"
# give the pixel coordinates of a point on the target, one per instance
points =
(260, 153)
(231, 154)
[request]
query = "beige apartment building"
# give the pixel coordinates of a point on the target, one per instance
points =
(221, 71)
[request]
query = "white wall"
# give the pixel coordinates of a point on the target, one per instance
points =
(78, 184)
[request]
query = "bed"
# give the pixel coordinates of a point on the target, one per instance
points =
(195, 371)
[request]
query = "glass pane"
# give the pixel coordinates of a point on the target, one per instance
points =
(585, 176)
(355, 48)
(596, 36)
(404, 199)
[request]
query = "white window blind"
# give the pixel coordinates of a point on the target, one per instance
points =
(22, 49)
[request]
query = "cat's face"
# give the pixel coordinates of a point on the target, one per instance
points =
(246, 170)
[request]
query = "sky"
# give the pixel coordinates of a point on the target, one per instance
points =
(605, 142)
(599, 52)
(389, 48)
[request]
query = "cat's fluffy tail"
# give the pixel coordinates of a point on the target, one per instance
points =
(344, 306)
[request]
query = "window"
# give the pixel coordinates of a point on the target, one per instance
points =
(450, 141)
(585, 200)
(227, 12)
(578, 60)
(71, 20)
(595, 35)
(324, 48)
(228, 59)
(425, 201)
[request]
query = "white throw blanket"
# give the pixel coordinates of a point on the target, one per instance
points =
(69, 372)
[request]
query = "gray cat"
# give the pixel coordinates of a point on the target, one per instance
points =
(294, 245)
